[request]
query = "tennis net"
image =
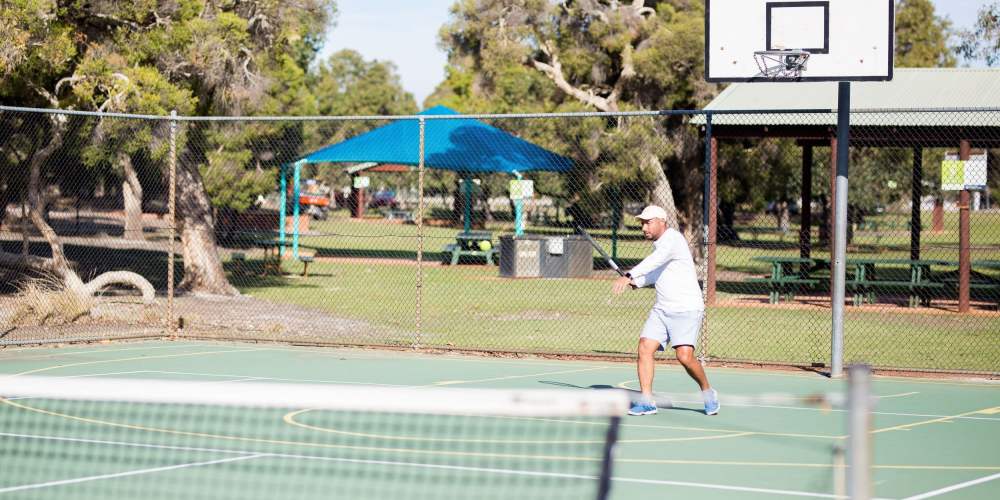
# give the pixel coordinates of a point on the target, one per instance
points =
(103, 438)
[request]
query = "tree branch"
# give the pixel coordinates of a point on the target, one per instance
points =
(640, 10)
(628, 72)
(554, 72)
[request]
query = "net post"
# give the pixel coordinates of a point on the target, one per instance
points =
(607, 458)
(172, 209)
(859, 447)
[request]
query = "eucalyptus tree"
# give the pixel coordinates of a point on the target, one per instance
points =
(606, 56)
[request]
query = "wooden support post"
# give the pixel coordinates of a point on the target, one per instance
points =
(964, 246)
(916, 194)
(713, 202)
(805, 211)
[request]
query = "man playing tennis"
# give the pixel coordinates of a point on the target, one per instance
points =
(677, 314)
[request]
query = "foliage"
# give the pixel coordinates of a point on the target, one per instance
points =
(982, 42)
(921, 36)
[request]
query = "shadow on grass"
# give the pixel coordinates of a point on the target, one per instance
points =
(762, 245)
(376, 254)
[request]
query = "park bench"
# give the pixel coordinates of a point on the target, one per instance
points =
(305, 259)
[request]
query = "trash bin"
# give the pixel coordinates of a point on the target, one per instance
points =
(567, 257)
(533, 255)
(520, 256)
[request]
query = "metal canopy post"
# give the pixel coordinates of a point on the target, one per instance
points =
(295, 208)
(518, 210)
(467, 189)
(283, 209)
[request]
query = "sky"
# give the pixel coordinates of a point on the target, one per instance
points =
(405, 32)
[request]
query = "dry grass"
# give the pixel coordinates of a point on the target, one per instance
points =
(47, 301)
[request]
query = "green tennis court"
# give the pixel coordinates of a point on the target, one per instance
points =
(932, 438)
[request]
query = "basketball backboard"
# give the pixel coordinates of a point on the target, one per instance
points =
(809, 40)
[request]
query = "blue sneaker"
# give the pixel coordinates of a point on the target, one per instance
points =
(642, 408)
(712, 402)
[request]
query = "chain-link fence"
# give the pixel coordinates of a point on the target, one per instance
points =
(408, 231)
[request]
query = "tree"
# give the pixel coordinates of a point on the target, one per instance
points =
(542, 55)
(198, 57)
(921, 36)
(982, 42)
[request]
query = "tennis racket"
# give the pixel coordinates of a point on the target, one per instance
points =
(607, 258)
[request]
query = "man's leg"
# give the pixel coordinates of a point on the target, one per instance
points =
(685, 354)
(646, 365)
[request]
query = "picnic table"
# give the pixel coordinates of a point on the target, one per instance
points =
(789, 275)
(868, 276)
(468, 244)
(985, 284)
(272, 254)
(920, 285)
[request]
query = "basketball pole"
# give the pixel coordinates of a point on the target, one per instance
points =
(838, 262)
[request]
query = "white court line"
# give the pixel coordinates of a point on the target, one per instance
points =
(746, 489)
(516, 472)
(624, 385)
(279, 379)
(953, 487)
(61, 352)
(989, 419)
(127, 473)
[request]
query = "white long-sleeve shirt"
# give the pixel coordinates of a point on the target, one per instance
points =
(670, 268)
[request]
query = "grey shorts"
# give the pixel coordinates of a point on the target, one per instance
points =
(673, 328)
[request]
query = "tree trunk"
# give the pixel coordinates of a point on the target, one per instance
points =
(202, 267)
(661, 194)
(824, 223)
(36, 204)
(937, 216)
(781, 213)
(132, 194)
(4, 201)
(727, 222)
(458, 203)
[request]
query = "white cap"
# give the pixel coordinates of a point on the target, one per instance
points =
(652, 212)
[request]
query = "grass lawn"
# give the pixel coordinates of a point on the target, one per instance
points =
(471, 307)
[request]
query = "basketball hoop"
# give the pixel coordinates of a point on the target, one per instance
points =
(778, 64)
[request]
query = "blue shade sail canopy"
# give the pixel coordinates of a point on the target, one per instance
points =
(462, 145)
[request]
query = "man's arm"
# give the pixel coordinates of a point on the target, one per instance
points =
(659, 258)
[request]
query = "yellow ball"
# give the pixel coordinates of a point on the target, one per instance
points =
(485, 245)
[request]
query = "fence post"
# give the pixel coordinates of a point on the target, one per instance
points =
(420, 235)
(172, 208)
(838, 266)
(708, 221)
(708, 211)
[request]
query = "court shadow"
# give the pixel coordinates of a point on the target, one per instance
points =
(633, 394)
